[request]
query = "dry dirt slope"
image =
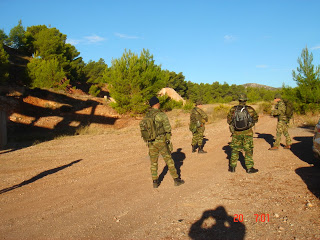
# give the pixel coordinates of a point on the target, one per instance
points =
(99, 187)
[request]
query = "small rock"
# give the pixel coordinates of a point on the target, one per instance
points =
(276, 215)
(309, 205)
(281, 228)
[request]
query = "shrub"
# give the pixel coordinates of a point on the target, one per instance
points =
(265, 108)
(219, 112)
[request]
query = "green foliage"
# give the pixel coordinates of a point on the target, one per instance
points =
(133, 80)
(308, 79)
(188, 106)
(94, 90)
(16, 37)
(4, 65)
(46, 73)
(176, 81)
(50, 43)
(94, 71)
(3, 36)
(167, 104)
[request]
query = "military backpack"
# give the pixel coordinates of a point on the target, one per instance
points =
(242, 120)
(289, 109)
(148, 127)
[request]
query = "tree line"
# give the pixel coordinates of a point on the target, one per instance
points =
(132, 79)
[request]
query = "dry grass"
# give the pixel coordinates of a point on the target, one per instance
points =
(218, 112)
(308, 120)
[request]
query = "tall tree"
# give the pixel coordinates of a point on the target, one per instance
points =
(94, 71)
(16, 37)
(133, 80)
(307, 78)
(3, 36)
(4, 65)
(176, 81)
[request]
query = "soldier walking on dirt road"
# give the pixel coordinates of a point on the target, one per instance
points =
(157, 134)
(198, 118)
(279, 111)
(241, 119)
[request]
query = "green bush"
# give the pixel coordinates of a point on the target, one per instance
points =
(94, 90)
(167, 104)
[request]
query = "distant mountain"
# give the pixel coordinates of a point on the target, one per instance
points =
(256, 85)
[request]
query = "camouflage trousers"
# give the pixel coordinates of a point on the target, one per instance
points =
(241, 142)
(197, 137)
(282, 128)
(156, 148)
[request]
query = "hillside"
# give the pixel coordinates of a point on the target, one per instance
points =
(256, 85)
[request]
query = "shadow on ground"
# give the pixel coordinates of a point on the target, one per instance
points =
(311, 177)
(217, 224)
(22, 135)
(269, 138)
(178, 158)
(39, 176)
(303, 149)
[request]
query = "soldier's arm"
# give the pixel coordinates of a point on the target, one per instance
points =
(230, 114)
(203, 115)
(253, 113)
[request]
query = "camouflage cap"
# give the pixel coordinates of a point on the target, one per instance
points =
(243, 97)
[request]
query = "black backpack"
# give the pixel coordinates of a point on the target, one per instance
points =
(241, 118)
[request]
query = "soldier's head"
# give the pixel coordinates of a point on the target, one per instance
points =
(277, 97)
(154, 102)
(242, 98)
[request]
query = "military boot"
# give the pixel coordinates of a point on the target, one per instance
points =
(273, 148)
(194, 148)
(155, 183)
(200, 150)
(252, 170)
(178, 181)
(232, 169)
(287, 147)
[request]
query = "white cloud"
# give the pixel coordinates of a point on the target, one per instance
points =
(262, 66)
(120, 35)
(73, 41)
(86, 40)
(94, 39)
(229, 38)
(315, 48)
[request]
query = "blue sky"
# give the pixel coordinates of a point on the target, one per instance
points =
(232, 41)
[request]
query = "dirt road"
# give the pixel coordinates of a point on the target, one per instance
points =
(99, 187)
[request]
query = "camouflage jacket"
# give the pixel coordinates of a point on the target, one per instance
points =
(162, 124)
(280, 111)
(252, 113)
(198, 114)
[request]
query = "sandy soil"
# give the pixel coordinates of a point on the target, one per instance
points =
(99, 187)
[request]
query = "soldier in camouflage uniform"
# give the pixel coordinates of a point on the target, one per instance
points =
(283, 123)
(161, 144)
(242, 140)
(198, 118)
